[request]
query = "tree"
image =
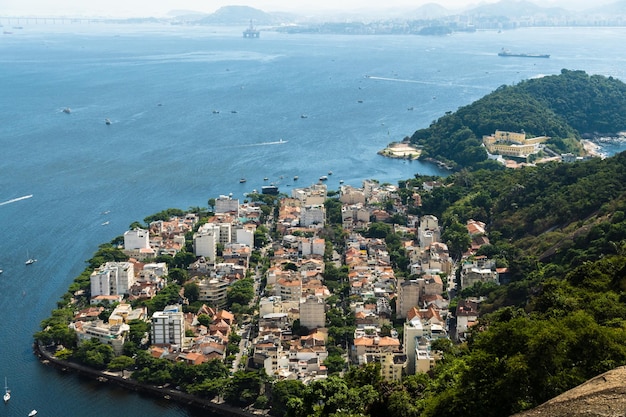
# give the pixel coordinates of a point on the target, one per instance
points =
(178, 275)
(94, 354)
(192, 291)
(241, 291)
(204, 320)
(243, 388)
(121, 362)
(335, 364)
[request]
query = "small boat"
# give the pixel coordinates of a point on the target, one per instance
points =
(107, 122)
(216, 111)
(32, 413)
(1, 271)
(242, 180)
(265, 179)
(303, 116)
(295, 178)
(330, 172)
(105, 223)
(269, 189)
(323, 178)
(67, 110)
(340, 181)
(30, 260)
(7, 392)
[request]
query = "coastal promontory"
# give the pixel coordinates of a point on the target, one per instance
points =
(563, 108)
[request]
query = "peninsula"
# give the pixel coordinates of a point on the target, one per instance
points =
(483, 293)
(555, 107)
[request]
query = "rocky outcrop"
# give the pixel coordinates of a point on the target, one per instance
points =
(602, 396)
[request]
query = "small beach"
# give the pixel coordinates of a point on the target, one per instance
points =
(401, 150)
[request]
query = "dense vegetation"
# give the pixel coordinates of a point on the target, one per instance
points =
(563, 106)
(561, 229)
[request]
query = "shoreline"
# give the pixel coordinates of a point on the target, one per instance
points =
(221, 408)
(592, 149)
(401, 150)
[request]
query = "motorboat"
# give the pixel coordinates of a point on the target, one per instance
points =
(7, 392)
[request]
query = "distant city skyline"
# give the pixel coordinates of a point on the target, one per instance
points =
(160, 8)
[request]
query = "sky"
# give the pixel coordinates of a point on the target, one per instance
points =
(159, 8)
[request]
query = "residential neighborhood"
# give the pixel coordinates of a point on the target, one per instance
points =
(317, 304)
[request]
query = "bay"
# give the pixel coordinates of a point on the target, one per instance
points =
(193, 110)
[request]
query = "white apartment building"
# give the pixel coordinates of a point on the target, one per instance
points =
(313, 195)
(312, 246)
(288, 289)
(226, 204)
(408, 297)
(245, 236)
(213, 291)
(136, 239)
(112, 278)
(351, 195)
(313, 215)
(428, 231)
(312, 312)
(113, 336)
(157, 269)
(168, 326)
(205, 242)
(354, 214)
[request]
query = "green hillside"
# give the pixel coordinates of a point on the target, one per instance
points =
(561, 230)
(564, 107)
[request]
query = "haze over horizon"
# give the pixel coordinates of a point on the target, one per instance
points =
(160, 8)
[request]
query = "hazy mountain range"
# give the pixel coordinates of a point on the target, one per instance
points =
(505, 9)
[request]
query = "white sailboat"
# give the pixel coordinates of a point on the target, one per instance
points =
(30, 260)
(7, 392)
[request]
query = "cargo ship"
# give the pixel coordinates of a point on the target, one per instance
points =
(506, 52)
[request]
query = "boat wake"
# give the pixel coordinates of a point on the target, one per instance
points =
(403, 80)
(276, 142)
(16, 199)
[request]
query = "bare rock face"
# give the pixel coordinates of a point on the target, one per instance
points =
(602, 396)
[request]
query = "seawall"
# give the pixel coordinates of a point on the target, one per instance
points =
(223, 409)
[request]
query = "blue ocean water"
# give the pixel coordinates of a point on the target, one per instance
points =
(192, 111)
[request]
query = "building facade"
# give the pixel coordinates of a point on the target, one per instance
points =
(168, 326)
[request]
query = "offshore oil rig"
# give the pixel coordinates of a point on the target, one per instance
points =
(251, 32)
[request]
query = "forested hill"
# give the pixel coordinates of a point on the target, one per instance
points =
(560, 321)
(564, 107)
(561, 230)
